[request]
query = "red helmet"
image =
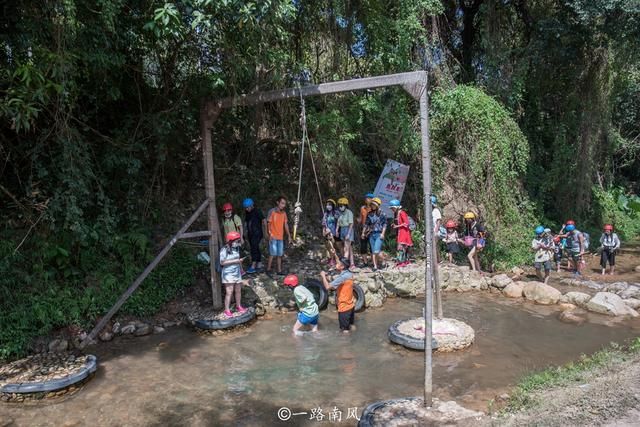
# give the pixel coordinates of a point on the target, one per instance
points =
(232, 235)
(570, 222)
(451, 224)
(291, 280)
(556, 239)
(608, 227)
(227, 207)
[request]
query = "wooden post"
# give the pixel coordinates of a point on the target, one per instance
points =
(208, 115)
(428, 240)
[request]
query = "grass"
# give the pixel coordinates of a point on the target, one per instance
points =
(524, 395)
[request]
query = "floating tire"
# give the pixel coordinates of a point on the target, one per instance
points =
(319, 292)
(368, 414)
(55, 384)
(358, 294)
(405, 340)
(216, 324)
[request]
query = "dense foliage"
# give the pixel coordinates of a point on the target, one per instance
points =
(535, 103)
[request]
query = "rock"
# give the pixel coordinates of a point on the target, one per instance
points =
(142, 330)
(541, 293)
(632, 303)
(501, 281)
(578, 298)
(106, 336)
(58, 346)
(610, 304)
(514, 290)
(116, 328)
(128, 329)
(571, 318)
(564, 300)
(637, 269)
(632, 291)
(617, 287)
(158, 329)
(169, 324)
(517, 272)
(564, 306)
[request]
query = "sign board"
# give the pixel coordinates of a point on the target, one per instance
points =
(391, 184)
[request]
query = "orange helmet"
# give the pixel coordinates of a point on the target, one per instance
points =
(291, 280)
(232, 235)
(227, 207)
(451, 224)
(570, 222)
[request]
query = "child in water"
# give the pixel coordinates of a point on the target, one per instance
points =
(343, 284)
(308, 309)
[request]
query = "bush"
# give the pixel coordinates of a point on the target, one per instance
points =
(613, 206)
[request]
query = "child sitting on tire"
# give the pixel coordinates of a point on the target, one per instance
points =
(343, 284)
(309, 312)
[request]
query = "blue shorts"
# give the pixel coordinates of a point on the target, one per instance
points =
(376, 243)
(276, 247)
(306, 320)
(345, 235)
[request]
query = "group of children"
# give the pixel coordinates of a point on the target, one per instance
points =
(473, 237)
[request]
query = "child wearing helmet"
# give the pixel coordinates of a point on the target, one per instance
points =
(343, 284)
(345, 229)
(557, 251)
(452, 240)
(576, 248)
(610, 243)
(231, 274)
(308, 313)
(362, 218)
(375, 227)
(473, 239)
(255, 224)
(543, 247)
(231, 222)
(330, 228)
(403, 239)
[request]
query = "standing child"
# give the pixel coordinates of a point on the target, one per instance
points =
(330, 228)
(374, 228)
(231, 264)
(452, 240)
(345, 229)
(362, 219)
(557, 251)
(401, 225)
(308, 309)
(542, 245)
(255, 224)
(474, 239)
(277, 226)
(343, 284)
(610, 244)
(231, 222)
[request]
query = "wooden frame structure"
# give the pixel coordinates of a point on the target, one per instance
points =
(415, 83)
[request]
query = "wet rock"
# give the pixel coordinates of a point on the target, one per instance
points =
(632, 291)
(142, 329)
(106, 336)
(514, 290)
(58, 346)
(128, 329)
(501, 281)
(571, 318)
(632, 303)
(578, 298)
(158, 329)
(116, 328)
(610, 304)
(540, 293)
(617, 287)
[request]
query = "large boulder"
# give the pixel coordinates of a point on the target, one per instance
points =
(514, 290)
(540, 293)
(578, 298)
(632, 291)
(632, 303)
(610, 304)
(501, 281)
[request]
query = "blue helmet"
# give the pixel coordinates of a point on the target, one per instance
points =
(395, 203)
(247, 203)
(434, 199)
(570, 227)
(369, 195)
(539, 230)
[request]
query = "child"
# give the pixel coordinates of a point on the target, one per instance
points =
(576, 248)
(401, 224)
(343, 284)
(362, 219)
(474, 234)
(277, 226)
(610, 244)
(557, 252)
(345, 229)
(330, 228)
(231, 222)
(231, 264)
(255, 224)
(374, 228)
(542, 245)
(452, 240)
(309, 313)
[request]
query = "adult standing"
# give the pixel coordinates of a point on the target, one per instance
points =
(255, 223)
(610, 243)
(277, 227)
(576, 247)
(345, 229)
(474, 234)
(362, 218)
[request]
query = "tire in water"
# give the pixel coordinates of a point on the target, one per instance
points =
(319, 292)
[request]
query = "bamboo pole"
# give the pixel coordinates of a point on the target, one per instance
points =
(125, 296)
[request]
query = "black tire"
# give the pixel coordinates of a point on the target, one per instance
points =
(366, 419)
(319, 292)
(57, 384)
(409, 342)
(226, 323)
(358, 293)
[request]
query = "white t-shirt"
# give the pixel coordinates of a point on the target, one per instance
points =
(230, 273)
(437, 216)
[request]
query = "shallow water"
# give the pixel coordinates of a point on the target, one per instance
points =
(182, 378)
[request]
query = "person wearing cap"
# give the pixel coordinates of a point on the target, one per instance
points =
(345, 229)
(231, 272)
(231, 222)
(610, 243)
(375, 227)
(343, 284)
(403, 238)
(576, 247)
(255, 226)
(330, 228)
(543, 247)
(308, 312)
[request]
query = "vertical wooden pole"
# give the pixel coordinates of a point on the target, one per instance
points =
(208, 115)
(428, 240)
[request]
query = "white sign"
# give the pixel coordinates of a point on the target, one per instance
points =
(391, 184)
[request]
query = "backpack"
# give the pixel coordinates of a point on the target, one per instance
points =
(412, 223)
(442, 232)
(587, 240)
